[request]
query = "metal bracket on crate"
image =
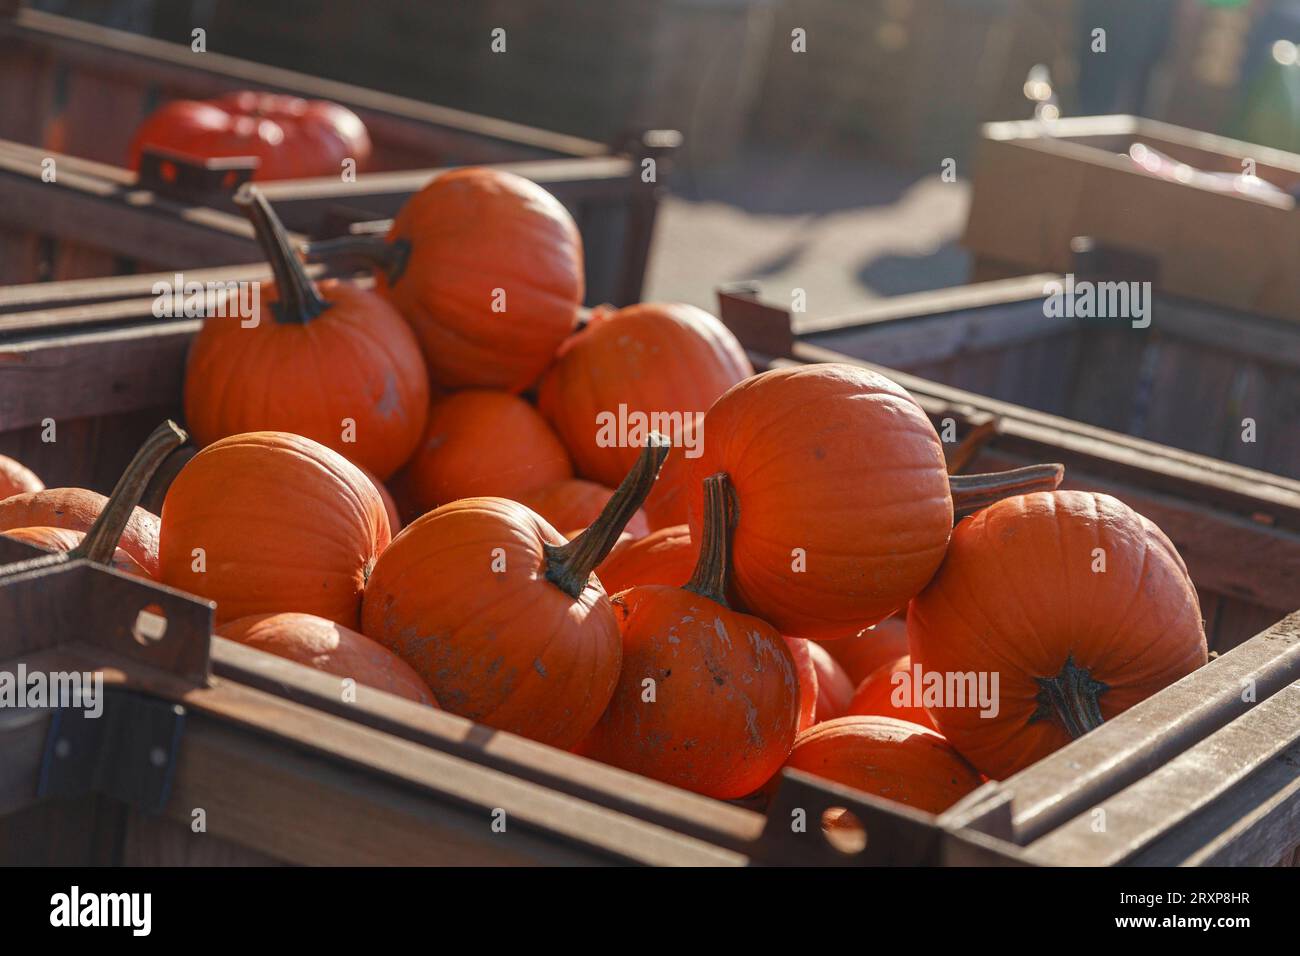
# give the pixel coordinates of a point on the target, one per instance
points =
(127, 751)
(760, 328)
(190, 179)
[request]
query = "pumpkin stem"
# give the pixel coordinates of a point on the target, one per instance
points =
(970, 446)
(713, 568)
(100, 541)
(970, 493)
(569, 566)
(1072, 698)
(388, 257)
(297, 298)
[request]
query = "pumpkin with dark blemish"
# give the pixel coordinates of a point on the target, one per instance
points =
(502, 616)
(724, 722)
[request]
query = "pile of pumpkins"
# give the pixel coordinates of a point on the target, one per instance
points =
(767, 583)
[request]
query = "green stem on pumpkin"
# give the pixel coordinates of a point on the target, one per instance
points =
(297, 300)
(569, 566)
(388, 257)
(101, 540)
(970, 493)
(713, 567)
(1072, 697)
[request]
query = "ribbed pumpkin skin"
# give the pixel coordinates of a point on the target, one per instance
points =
(285, 524)
(726, 706)
(875, 696)
(483, 443)
(841, 463)
(472, 232)
(666, 556)
(834, 689)
(395, 522)
(16, 478)
(863, 653)
(889, 758)
(357, 360)
(574, 504)
(76, 510)
(332, 648)
(61, 539)
(1017, 595)
(654, 357)
(508, 649)
(806, 671)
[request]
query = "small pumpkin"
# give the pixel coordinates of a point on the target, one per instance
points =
(17, 479)
(483, 443)
(61, 539)
(487, 268)
(806, 671)
(395, 522)
(502, 616)
(834, 689)
(890, 758)
(335, 363)
(330, 647)
(666, 556)
(1022, 595)
(75, 509)
(268, 521)
(845, 502)
(864, 652)
(575, 503)
(726, 702)
(650, 366)
(889, 693)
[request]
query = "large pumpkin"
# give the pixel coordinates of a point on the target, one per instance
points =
(501, 616)
(666, 556)
(890, 758)
(75, 509)
(844, 498)
(483, 443)
(487, 268)
(329, 646)
(708, 698)
(334, 363)
(653, 366)
(16, 478)
(892, 691)
(575, 503)
(269, 521)
(1079, 605)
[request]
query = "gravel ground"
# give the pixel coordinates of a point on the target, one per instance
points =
(843, 230)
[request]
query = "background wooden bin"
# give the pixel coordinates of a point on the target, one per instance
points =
(279, 763)
(1039, 185)
(75, 93)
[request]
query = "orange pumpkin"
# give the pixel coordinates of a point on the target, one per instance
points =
(889, 692)
(845, 501)
(666, 556)
(75, 509)
(806, 671)
(334, 363)
(332, 648)
(501, 616)
(483, 443)
(268, 522)
(890, 758)
(487, 268)
(627, 367)
(390, 505)
(723, 707)
(574, 503)
(1098, 614)
(16, 478)
(863, 653)
(61, 539)
(834, 689)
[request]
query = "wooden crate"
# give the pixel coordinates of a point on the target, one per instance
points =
(74, 93)
(259, 733)
(1038, 186)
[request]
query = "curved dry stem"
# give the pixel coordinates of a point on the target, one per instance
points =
(387, 257)
(297, 298)
(713, 568)
(1072, 697)
(970, 493)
